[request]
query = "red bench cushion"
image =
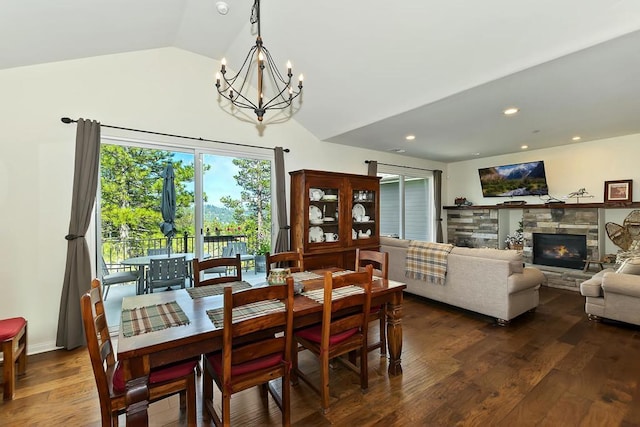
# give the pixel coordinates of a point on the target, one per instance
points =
(9, 328)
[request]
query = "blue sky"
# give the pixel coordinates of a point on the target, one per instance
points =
(218, 180)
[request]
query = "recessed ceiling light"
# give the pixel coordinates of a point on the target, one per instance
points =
(475, 154)
(410, 137)
(510, 111)
(397, 150)
(524, 147)
(576, 138)
(222, 7)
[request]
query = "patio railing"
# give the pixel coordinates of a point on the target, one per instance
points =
(115, 250)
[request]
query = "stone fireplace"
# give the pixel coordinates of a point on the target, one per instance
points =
(569, 222)
(559, 250)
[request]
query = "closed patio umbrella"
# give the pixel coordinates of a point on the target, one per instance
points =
(168, 205)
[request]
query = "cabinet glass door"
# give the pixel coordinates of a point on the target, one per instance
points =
(363, 215)
(324, 215)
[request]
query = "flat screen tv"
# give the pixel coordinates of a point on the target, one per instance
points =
(520, 179)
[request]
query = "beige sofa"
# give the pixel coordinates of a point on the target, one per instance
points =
(488, 281)
(612, 295)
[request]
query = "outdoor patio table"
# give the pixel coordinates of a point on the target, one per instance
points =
(143, 261)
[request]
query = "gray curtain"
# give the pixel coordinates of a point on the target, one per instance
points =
(373, 168)
(77, 275)
(282, 240)
(437, 202)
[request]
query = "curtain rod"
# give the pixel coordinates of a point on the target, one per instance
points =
(68, 120)
(406, 167)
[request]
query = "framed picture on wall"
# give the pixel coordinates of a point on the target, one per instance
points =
(617, 191)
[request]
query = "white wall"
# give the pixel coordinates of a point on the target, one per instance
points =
(571, 167)
(164, 90)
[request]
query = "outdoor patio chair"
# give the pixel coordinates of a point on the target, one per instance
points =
(115, 278)
(240, 248)
(166, 272)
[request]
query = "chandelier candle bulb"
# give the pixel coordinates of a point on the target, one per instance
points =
(224, 65)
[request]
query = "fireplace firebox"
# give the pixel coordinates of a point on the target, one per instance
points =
(560, 250)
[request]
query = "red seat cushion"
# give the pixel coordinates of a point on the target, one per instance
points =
(157, 376)
(314, 334)
(242, 368)
(9, 328)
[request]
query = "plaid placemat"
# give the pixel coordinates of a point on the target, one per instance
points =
(318, 294)
(141, 320)
(246, 311)
(305, 275)
(209, 290)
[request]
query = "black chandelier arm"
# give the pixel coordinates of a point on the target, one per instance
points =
(274, 68)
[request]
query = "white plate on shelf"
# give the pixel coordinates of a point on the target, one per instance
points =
(316, 235)
(330, 197)
(354, 235)
(315, 213)
(358, 210)
(315, 194)
(316, 221)
(328, 219)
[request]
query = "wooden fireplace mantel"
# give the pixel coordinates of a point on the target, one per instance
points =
(631, 205)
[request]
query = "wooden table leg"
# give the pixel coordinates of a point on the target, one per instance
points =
(394, 333)
(136, 374)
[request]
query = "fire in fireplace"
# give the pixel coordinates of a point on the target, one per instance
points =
(560, 250)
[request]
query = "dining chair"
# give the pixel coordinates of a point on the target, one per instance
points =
(115, 278)
(380, 263)
(343, 330)
(216, 265)
(256, 349)
(166, 272)
(292, 260)
(163, 382)
(13, 337)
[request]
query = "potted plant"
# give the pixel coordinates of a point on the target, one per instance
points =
(516, 240)
(261, 260)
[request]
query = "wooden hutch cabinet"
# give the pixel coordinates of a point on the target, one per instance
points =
(332, 214)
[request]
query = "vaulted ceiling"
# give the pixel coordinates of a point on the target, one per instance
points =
(376, 71)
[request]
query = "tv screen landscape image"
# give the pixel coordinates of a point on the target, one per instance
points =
(520, 179)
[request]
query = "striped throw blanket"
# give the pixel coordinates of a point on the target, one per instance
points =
(427, 261)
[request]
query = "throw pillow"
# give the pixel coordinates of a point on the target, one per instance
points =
(630, 266)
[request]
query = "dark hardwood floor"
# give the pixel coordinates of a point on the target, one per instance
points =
(552, 367)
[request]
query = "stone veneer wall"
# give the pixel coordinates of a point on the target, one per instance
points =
(475, 228)
(583, 221)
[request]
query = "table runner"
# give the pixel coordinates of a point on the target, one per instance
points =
(318, 294)
(246, 311)
(141, 320)
(341, 273)
(209, 290)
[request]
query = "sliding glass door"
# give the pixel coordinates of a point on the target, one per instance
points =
(406, 206)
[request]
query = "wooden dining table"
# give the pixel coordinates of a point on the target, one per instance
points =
(138, 354)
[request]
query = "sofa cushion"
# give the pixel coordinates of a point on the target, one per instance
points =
(593, 287)
(513, 257)
(630, 266)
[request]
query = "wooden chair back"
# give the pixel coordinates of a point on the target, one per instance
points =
(334, 322)
(291, 259)
(101, 351)
(232, 266)
(249, 339)
(379, 261)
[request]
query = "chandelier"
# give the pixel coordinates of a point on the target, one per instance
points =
(234, 88)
